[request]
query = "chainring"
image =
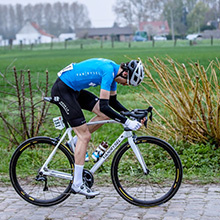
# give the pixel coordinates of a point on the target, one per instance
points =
(88, 178)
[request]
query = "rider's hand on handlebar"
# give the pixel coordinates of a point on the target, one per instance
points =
(143, 120)
(133, 125)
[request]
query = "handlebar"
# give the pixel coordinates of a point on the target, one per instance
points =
(139, 114)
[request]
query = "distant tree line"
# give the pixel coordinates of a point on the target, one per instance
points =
(54, 18)
(183, 16)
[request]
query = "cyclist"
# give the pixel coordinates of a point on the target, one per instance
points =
(70, 94)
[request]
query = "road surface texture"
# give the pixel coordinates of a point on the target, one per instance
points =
(191, 202)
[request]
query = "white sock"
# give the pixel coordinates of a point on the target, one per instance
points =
(78, 173)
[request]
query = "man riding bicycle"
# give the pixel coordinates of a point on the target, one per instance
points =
(70, 94)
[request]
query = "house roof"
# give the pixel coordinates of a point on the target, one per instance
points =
(158, 27)
(32, 27)
(41, 31)
(115, 30)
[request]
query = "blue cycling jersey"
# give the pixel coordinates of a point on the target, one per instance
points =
(92, 72)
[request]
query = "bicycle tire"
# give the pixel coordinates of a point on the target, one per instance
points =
(155, 188)
(24, 167)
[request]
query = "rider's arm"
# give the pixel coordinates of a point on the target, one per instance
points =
(107, 110)
(115, 104)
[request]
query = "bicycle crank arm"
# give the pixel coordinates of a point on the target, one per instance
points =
(58, 174)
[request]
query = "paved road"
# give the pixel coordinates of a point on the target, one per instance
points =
(191, 202)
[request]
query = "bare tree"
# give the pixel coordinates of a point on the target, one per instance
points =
(54, 18)
(19, 16)
(76, 12)
(132, 12)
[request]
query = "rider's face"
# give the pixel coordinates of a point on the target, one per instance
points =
(122, 80)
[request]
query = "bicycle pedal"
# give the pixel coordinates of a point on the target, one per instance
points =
(90, 197)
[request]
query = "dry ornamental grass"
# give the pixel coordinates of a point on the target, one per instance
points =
(189, 96)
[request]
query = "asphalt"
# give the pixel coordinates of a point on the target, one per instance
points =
(192, 202)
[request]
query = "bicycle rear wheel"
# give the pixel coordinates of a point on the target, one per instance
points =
(152, 189)
(24, 169)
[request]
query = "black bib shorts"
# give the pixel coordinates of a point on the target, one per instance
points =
(72, 102)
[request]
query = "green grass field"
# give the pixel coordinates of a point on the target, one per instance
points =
(43, 58)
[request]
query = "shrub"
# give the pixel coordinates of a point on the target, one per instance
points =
(189, 100)
(22, 113)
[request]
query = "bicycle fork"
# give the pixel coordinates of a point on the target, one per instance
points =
(137, 153)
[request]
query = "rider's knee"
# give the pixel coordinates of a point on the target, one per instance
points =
(83, 134)
(97, 111)
(104, 117)
(85, 137)
(101, 115)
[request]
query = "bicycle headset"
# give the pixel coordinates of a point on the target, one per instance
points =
(135, 71)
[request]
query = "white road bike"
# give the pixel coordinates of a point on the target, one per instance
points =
(145, 171)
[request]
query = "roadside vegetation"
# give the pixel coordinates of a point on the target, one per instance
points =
(185, 99)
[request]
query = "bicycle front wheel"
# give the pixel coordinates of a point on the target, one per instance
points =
(156, 187)
(24, 169)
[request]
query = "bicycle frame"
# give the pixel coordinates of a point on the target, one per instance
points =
(125, 134)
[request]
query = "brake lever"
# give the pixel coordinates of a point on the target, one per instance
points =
(150, 117)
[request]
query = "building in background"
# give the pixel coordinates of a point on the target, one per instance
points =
(155, 28)
(116, 33)
(67, 36)
(31, 33)
(207, 34)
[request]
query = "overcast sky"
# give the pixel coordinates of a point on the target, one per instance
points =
(100, 11)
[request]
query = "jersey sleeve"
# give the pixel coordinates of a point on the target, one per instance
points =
(108, 82)
(114, 86)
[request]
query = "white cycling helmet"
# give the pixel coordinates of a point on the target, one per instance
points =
(135, 72)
